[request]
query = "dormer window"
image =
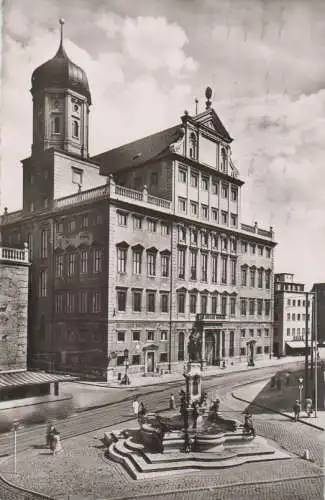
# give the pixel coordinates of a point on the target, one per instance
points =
(192, 147)
(77, 176)
(75, 129)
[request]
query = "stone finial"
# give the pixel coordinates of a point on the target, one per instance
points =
(145, 192)
(25, 244)
(5, 211)
(208, 95)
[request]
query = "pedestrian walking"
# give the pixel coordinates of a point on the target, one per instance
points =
(135, 406)
(309, 407)
(56, 443)
(296, 410)
(172, 404)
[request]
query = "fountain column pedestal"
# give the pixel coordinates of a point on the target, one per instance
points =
(193, 374)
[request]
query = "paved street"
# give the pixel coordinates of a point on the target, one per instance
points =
(83, 468)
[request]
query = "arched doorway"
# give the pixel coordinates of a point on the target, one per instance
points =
(181, 346)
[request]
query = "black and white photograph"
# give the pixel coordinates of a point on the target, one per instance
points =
(162, 235)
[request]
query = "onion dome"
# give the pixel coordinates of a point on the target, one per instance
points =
(61, 72)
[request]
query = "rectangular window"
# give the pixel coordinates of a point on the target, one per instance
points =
(267, 307)
(151, 264)
(182, 175)
(204, 304)
(69, 302)
(215, 187)
(288, 316)
(181, 302)
(215, 214)
(244, 247)
(96, 302)
(193, 237)
(268, 253)
(234, 194)
(243, 333)
(260, 278)
(164, 302)
(121, 260)
(298, 317)
(121, 300)
(224, 305)
(97, 261)
(152, 226)
(136, 336)
(233, 245)
(164, 264)
(181, 263)
(259, 307)
(77, 175)
(252, 248)
(84, 262)
(99, 220)
(122, 219)
(289, 302)
(233, 220)
(182, 205)
(163, 335)
(59, 266)
(214, 268)
(137, 222)
(205, 212)
(150, 335)
(84, 222)
(243, 307)
(251, 307)
(224, 191)
(194, 180)
(288, 332)
(268, 280)
(137, 261)
(204, 239)
(205, 183)
(232, 306)
(214, 241)
(233, 270)
(151, 301)
(266, 349)
(251, 333)
(43, 283)
(193, 300)
(120, 336)
(260, 250)
(71, 264)
(259, 349)
(204, 267)
(164, 229)
(242, 351)
(59, 303)
(83, 302)
(181, 234)
(214, 304)
(136, 301)
(224, 269)
(194, 208)
(224, 217)
(252, 278)
(293, 316)
(71, 226)
(44, 244)
(193, 270)
(244, 276)
(136, 359)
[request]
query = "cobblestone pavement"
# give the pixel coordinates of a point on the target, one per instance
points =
(10, 492)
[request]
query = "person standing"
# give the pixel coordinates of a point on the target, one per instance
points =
(141, 413)
(135, 406)
(296, 410)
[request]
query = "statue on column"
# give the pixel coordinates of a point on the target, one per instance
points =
(195, 345)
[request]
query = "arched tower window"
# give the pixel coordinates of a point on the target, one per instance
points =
(56, 125)
(192, 146)
(223, 160)
(75, 128)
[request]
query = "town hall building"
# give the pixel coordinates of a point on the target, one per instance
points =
(132, 247)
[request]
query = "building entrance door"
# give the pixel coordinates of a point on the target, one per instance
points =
(150, 362)
(210, 348)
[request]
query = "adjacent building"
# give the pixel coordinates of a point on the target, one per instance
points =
(293, 310)
(319, 314)
(131, 247)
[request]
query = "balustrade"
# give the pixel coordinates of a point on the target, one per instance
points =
(14, 254)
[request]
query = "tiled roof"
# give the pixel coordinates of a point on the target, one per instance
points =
(19, 379)
(137, 152)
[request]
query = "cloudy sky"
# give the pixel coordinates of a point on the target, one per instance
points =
(147, 60)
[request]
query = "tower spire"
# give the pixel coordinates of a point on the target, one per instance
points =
(61, 21)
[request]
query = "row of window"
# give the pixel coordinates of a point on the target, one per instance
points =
(259, 350)
(261, 250)
(300, 332)
(289, 287)
(251, 306)
(207, 239)
(136, 359)
(79, 222)
(152, 303)
(121, 336)
(263, 277)
(204, 184)
(293, 302)
(138, 223)
(194, 212)
(57, 126)
(83, 262)
(251, 332)
(207, 261)
(297, 317)
(137, 261)
(83, 302)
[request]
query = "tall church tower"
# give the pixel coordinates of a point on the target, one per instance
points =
(61, 100)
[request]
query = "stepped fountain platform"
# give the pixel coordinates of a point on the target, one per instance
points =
(231, 450)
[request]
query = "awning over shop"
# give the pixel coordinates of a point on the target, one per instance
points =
(19, 379)
(298, 344)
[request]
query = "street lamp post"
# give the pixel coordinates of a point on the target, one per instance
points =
(300, 386)
(126, 362)
(316, 376)
(15, 427)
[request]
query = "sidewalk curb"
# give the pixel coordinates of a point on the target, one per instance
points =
(276, 411)
(20, 489)
(180, 377)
